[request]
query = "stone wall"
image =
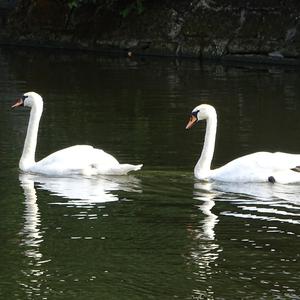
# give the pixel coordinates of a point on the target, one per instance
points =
(253, 29)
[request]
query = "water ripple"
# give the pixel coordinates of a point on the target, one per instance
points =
(280, 203)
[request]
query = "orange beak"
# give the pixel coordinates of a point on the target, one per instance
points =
(19, 102)
(191, 122)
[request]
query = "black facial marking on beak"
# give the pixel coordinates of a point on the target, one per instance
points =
(195, 114)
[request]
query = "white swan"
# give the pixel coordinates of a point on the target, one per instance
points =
(76, 160)
(256, 167)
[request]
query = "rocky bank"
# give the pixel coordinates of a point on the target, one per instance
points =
(255, 30)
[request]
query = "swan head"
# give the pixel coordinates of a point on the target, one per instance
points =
(29, 99)
(200, 112)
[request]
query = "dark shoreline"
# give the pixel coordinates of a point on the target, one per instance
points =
(226, 59)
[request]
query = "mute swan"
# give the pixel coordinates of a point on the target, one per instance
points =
(256, 167)
(75, 160)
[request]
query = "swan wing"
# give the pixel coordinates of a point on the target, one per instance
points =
(285, 161)
(79, 159)
(277, 161)
(259, 166)
(82, 160)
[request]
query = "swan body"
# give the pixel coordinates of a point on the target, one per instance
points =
(256, 167)
(75, 160)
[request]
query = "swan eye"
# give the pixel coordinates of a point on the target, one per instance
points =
(24, 97)
(195, 114)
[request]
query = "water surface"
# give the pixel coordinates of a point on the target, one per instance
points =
(158, 233)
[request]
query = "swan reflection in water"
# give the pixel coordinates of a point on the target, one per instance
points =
(77, 192)
(206, 197)
(205, 250)
(264, 201)
(85, 191)
(271, 203)
(31, 233)
(31, 240)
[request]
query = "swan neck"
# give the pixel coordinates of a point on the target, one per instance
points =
(203, 166)
(28, 155)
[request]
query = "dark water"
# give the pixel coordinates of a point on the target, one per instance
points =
(156, 234)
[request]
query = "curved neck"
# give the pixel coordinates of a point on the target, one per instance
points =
(203, 165)
(28, 155)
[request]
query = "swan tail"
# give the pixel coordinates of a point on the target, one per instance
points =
(126, 168)
(121, 169)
